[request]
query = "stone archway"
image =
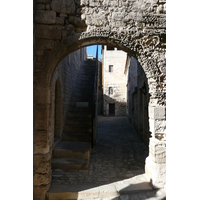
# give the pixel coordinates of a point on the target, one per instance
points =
(135, 27)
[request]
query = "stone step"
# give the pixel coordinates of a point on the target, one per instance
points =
(83, 98)
(77, 137)
(81, 128)
(67, 149)
(70, 163)
(79, 115)
(81, 94)
(80, 109)
(81, 87)
(78, 122)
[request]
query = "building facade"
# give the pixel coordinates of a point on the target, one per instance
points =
(114, 90)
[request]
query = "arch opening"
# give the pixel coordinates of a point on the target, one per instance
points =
(129, 67)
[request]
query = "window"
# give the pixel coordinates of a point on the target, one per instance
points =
(110, 90)
(110, 68)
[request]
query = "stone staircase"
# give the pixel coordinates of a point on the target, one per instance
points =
(73, 152)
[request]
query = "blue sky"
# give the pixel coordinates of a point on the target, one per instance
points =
(91, 50)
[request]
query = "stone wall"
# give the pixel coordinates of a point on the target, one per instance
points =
(137, 98)
(65, 74)
(115, 80)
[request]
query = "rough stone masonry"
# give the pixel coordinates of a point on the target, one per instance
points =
(63, 26)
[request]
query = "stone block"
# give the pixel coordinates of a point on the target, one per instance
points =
(40, 7)
(157, 112)
(45, 44)
(40, 139)
(41, 179)
(41, 159)
(48, 32)
(41, 114)
(76, 21)
(84, 2)
(42, 95)
(39, 193)
(64, 33)
(45, 17)
(48, 7)
(160, 126)
(157, 151)
(155, 173)
(63, 6)
(60, 20)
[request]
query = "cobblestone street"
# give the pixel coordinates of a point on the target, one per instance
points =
(119, 154)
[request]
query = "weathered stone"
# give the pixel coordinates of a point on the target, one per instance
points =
(41, 114)
(65, 33)
(45, 17)
(80, 30)
(45, 44)
(157, 151)
(41, 179)
(42, 163)
(39, 141)
(48, 32)
(70, 28)
(48, 7)
(39, 193)
(43, 1)
(84, 2)
(42, 95)
(60, 20)
(63, 6)
(76, 21)
(157, 112)
(40, 159)
(40, 7)
(39, 52)
(155, 173)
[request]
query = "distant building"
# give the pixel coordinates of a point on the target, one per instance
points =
(114, 89)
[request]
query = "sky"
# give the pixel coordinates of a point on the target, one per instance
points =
(91, 50)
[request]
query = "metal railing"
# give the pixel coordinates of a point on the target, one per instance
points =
(94, 99)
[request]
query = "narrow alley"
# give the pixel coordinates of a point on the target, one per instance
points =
(118, 155)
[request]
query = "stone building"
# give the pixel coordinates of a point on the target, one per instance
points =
(125, 89)
(137, 98)
(63, 81)
(62, 27)
(114, 90)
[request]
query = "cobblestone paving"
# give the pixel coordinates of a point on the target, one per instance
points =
(117, 155)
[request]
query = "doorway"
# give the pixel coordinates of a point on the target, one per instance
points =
(111, 109)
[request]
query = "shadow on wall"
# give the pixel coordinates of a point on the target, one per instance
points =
(112, 107)
(138, 99)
